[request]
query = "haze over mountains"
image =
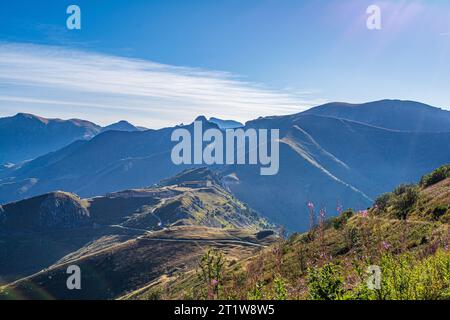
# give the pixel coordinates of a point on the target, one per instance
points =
(390, 114)
(26, 136)
(333, 154)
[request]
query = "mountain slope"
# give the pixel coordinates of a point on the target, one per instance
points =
(46, 228)
(390, 114)
(25, 136)
(331, 261)
(120, 126)
(121, 268)
(226, 124)
(333, 161)
(324, 160)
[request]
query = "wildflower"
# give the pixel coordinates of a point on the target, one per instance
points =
(339, 209)
(312, 217)
(322, 214)
(364, 213)
(214, 282)
(386, 245)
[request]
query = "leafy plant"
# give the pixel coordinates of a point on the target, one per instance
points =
(405, 197)
(439, 211)
(383, 201)
(279, 289)
(256, 293)
(210, 272)
(436, 176)
(404, 277)
(325, 283)
(339, 221)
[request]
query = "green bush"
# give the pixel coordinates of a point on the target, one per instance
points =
(256, 293)
(325, 283)
(436, 176)
(406, 278)
(384, 201)
(279, 289)
(339, 221)
(439, 211)
(154, 294)
(406, 195)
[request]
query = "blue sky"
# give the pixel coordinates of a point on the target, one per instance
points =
(157, 63)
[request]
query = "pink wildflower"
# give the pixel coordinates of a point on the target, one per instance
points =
(364, 213)
(386, 245)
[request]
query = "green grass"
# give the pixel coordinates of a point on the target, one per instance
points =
(331, 262)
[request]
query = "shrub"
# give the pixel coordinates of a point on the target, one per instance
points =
(383, 201)
(325, 283)
(436, 176)
(279, 289)
(154, 294)
(405, 197)
(339, 221)
(439, 211)
(404, 277)
(256, 293)
(402, 189)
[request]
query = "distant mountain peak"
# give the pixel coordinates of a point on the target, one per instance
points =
(201, 118)
(400, 115)
(226, 124)
(121, 125)
(29, 116)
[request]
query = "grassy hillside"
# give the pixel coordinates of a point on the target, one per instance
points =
(121, 268)
(321, 159)
(403, 236)
(207, 249)
(38, 232)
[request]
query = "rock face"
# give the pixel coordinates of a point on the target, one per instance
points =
(62, 212)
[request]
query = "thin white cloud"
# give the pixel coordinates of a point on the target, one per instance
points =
(88, 85)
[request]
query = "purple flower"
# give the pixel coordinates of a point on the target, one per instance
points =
(214, 282)
(364, 213)
(310, 205)
(386, 245)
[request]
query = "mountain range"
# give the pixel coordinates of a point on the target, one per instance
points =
(390, 114)
(188, 238)
(191, 208)
(332, 155)
(26, 136)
